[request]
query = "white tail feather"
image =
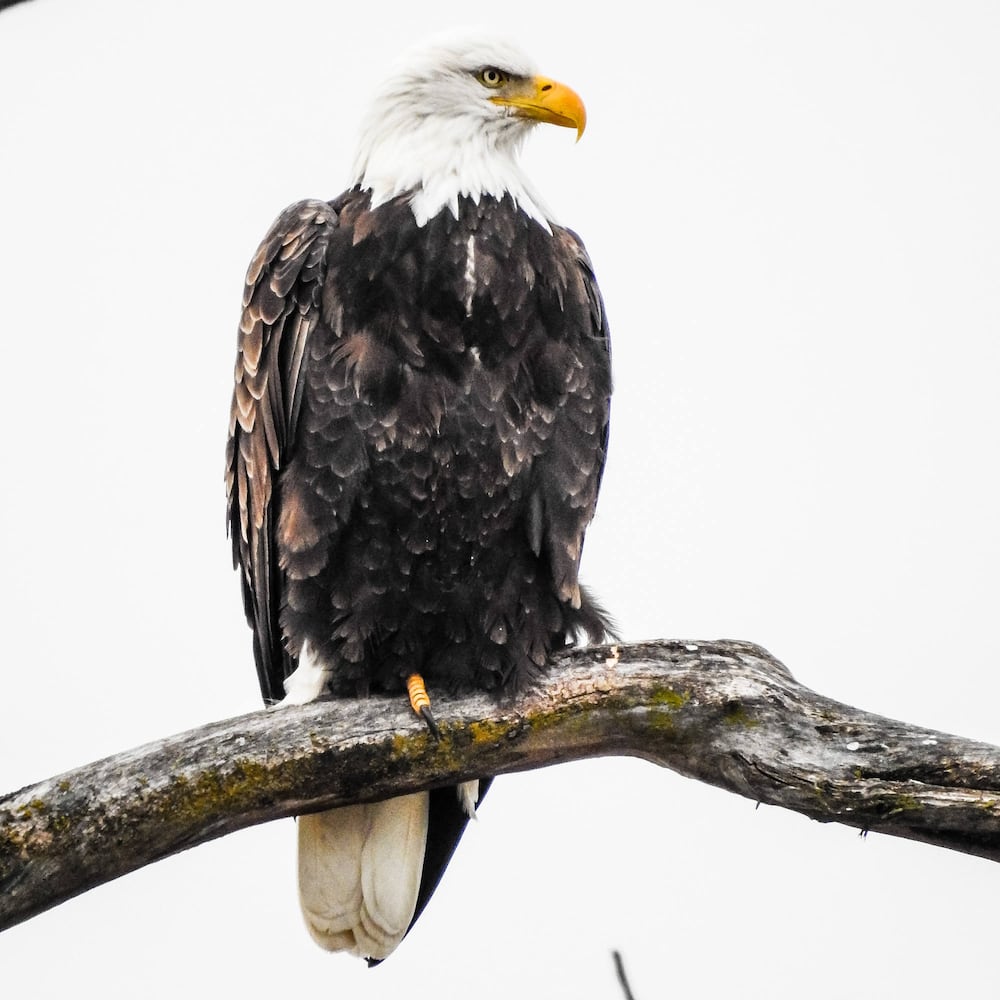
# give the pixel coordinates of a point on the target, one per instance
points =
(468, 796)
(359, 873)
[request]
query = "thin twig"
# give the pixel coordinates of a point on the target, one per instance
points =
(622, 978)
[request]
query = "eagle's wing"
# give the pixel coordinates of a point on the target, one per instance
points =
(281, 307)
(570, 468)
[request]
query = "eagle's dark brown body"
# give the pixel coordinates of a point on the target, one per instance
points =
(417, 438)
(434, 453)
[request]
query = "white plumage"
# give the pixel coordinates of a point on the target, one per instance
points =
(359, 866)
(433, 130)
(359, 872)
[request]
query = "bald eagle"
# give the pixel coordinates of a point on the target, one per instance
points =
(418, 431)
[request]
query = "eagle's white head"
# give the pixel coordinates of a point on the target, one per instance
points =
(450, 122)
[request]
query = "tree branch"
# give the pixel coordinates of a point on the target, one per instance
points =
(723, 712)
(616, 957)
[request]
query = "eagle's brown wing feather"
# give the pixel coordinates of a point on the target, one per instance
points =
(281, 307)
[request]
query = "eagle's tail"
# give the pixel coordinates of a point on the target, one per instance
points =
(359, 873)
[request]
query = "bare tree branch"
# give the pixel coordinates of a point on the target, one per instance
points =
(723, 712)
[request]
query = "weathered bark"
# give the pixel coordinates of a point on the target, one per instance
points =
(722, 712)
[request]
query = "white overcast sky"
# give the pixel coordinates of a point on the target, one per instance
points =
(794, 211)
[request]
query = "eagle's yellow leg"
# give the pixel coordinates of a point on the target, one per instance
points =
(420, 703)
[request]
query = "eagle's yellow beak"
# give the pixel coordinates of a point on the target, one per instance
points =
(544, 100)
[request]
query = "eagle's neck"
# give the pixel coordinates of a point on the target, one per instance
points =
(439, 160)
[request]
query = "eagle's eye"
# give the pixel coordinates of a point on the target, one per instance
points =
(492, 77)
